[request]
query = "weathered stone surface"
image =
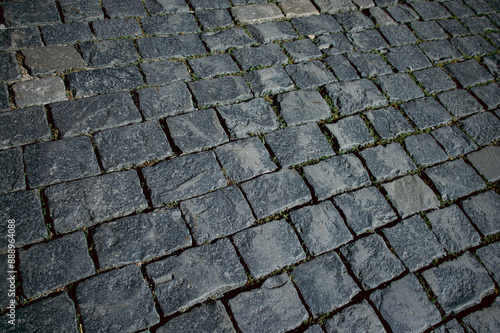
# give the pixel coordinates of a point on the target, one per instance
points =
(353, 96)
(388, 122)
(196, 275)
(48, 266)
(170, 24)
(424, 150)
(4, 98)
(480, 6)
(68, 33)
(10, 68)
(356, 318)
(380, 17)
(449, 326)
(296, 8)
(407, 57)
(218, 64)
(116, 28)
(89, 201)
(5, 299)
(210, 4)
(458, 8)
(388, 161)
(341, 67)
(354, 21)
(302, 50)
(166, 6)
(164, 72)
(434, 80)
(400, 87)
(325, 283)
(11, 162)
(316, 25)
(482, 127)
(402, 13)
(39, 91)
(269, 81)
(398, 34)
(314, 329)
(123, 8)
(485, 320)
(453, 140)
(440, 51)
(140, 237)
(163, 101)
(50, 59)
(170, 47)
(272, 31)
(489, 258)
(256, 13)
(426, 112)
(493, 63)
(334, 44)
(469, 72)
(367, 40)
(490, 95)
(487, 162)
(453, 26)
(484, 210)
(23, 126)
(13, 39)
(334, 6)
(81, 10)
(350, 132)
(224, 39)
(220, 91)
(472, 45)
(23, 13)
(263, 55)
(303, 106)
(310, 74)
(213, 19)
(115, 52)
(430, 10)
(369, 64)
(459, 102)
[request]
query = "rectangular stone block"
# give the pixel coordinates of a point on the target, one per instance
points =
(24, 13)
(256, 13)
(117, 52)
(220, 91)
(11, 162)
(68, 33)
(170, 47)
(22, 126)
(46, 60)
(169, 100)
(39, 91)
(170, 24)
(116, 28)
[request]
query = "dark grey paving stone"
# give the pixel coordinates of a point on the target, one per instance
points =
(389, 122)
(206, 4)
(263, 55)
(334, 44)
(316, 25)
(39, 91)
(407, 57)
(459, 102)
(177, 278)
(480, 6)
(213, 19)
(469, 72)
(170, 46)
(269, 81)
(482, 127)
(350, 132)
(388, 161)
(310, 74)
(14, 39)
(106, 53)
(453, 140)
(494, 37)
(411, 313)
(489, 258)
(331, 6)
(398, 34)
(217, 214)
(243, 119)
(336, 175)
(486, 161)
(79, 204)
(170, 24)
(303, 106)
(320, 227)
(127, 290)
(140, 237)
(440, 51)
(355, 318)
(218, 64)
(302, 50)
(458, 8)
(434, 80)
(489, 95)
(10, 68)
(367, 40)
(353, 96)
(472, 45)
(369, 64)
(11, 161)
(6, 299)
(430, 10)
(123, 8)
(428, 30)
(4, 98)
(22, 126)
(68, 33)
(485, 320)
(275, 307)
(272, 31)
(246, 2)
(220, 91)
(165, 72)
(166, 6)
(341, 67)
(224, 39)
(400, 87)
(271, 193)
(402, 13)
(483, 209)
(426, 112)
(168, 100)
(479, 24)
(354, 21)
(116, 28)
(81, 10)
(453, 26)
(48, 266)
(23, 13)
(256, 13)
(191, 175)
(324, 283)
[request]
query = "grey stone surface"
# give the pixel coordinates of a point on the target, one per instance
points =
(480, 6)
(115, 52)
(316, 25)
(489, 95)
(271, 193)
(333, 6)
(453, 26)
(89, 201)
(217, 214)
(380, 17)
(123, 8)
(296, 8)
(407, 57)
(479, 24)
(483, 209)
(490, 260)
(11, 162)
(213, 19)
(6, 296)
(220, 91)
(48, 266)
(482, 127)
(335, 175)
(39, 91)
(459, 102)
(320, 227)
(166, 6)
(169, 24)
(274, 307)
(334, 44)
(325, 283)
(169, 100)
(369, 64)
(430, 10)
(211, 66)
(440, 51)
(66, 33)
(424, 150)
(354, 21)
(4, 98)
(13, 39)
(468, 72)
(302, 50)
(164, 72)
(434, 80)
(314, 329)
(23, 13)
(493, 63)
(23, 126)
(388, 161)
(195, 275)
(310, 74)
(263, 55)
(359, 317)
(400, 87)
(302, 106)
(116, 28)
(388, 122)
(140, 237)
(170, 47)
(272, 31)
(472, 45)
(206, 4)
(453, 140)
(341, 67)
(10, 68)
(402, 13)
(353, 96)
(428, 30)
(81, 10)
(256, 13)
(350, 132)
(487, 162)
(426, 112)
(458, 8)
(62, 160)
(449, 326)
(269, 81)
(485, 320)
(367, 40)
(189, 176)
(223, 39)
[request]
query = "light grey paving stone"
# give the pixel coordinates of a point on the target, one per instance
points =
(10, 68)
(334, 6)
(140, 237)
(220, 91)
(169, 100)
(274, 307)
(255, 116)
(218, 64)
(482, 127)
(310, 74)
(389, 122)
(11, 162)
(321, 227)
(210, 316)
(244, 159)
(133, 307)
(472, 45)
(96, 113)
(4, 98)
(411, 313)
(24, 13)
(256, 13)
(350, 132)
(22, 126)
(434, 80)
(170, 47)
(353, 96)
(213, 19)
(452, 228)
(490, 260)
(48, 266)
(359, 317)
(430, 10)
(295, 8)
(354, 21)
(117, 52)
(487, 162)
(263, 55)
(493, 63)
(455, 179)
(369, 64)
(62, 160)
(206, 4)
(170, 24)
(367, 40)
(483, 209)
(269, 81)
(116, 28)
(23, 207)
(217, 214)
(424, 150)
(166, 6)
(325, 283)
(489, 95)
(165, 72)
(50, 59)
(407, 57)
(302, 50)
(479, 24)
(223, 39)
(388, 161)
(453, 26)
(428, 30)
(400, 87)
(39, 91)
(398, 34)
(449, 326)
(458, 8)
(316, 25)
(440, 51)
(68, 33)
(365, 209)
(81, 10)
(80, 203)
(485, 320)
(336, 175)
(302, 106)
(402, 13)
(469, 72)
(380, 17)
(453, 140)
(341, 67)
(272, 31)
(460, 283)
(190, 175)
(426, 112)
(271, 193)
(123, 8)
(196, 275)
(480, 6)
(334, 44)
(371, 261)
(16, 38)
(459, 102)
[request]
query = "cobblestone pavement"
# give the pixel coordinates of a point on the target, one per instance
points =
(250, 166)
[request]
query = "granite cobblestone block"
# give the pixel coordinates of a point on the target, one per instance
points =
(388, 161)
(428, 30)
(220, 91)
(302, 106)
(334, 6)
(424, 149)
(302, 50)
(263, 55)
(408, 57)
(488, 94)
(117, 52)
(68, 33)
(23, 126)
(434, 80)
(334, 44)
(490, 260)
(389, 122)
(426, 112)
(459, 102)
(316, 25)
(213, 19)
(169, 6)
(222, 40)
(353, 96)
(400, 87)
(11, 161)
(123, 8)
(256, 13)
(453, 140)
(341, 67)
(369, 64)
(218, 64)
(485, 319)
(269, 81)
(25, 13)
(39, 91)
(483, 210)
(165, 72)
(367, 40)
(272, 31)
(350, 132)
(486, 161)
(469, 72)
(170, 24)
(311, 74)
(164, 101)
(10, 68)
(482, 127)
(355, 318)
(81, 10)
(170, 47)
(116, 28)
(17, 38)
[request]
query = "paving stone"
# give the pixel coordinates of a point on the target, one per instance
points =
(170, 46)
(170, 24)
(263, 55)
(411, 313)
(430, 10)
(256, 13)
(10, 68)
(325, 283)
(210, 316)
(109, 53)
(166, 6)
(482, 127)
(48, 266)
(123, 8)
(453, 26)
(449, 326)
(428, 30)
(133, 307)
(94, 113)
(458, 8)
(440, 51)
(341, 67)
(213, 19)
(164, 72)
(303, 106)
(469, 72)
(353, 96)
(132, 145)
(355, 318)
(389, 122)
(80, 203)
(478, 25)
(489, 258)
(335, 175)
(316, 25)
(11, 161)
(39, 91)
(272, 31)
(81, 10)
(483, 209)
(210, 4)
(486, 161)
(245, 2)
(459, 102)
(426, 112)
(302, 50)
(274, 307)
(453, 140)
(195, 275)
(354, 21)
(104, 80)
(334, 44)
(196, 130)
(407, 57)
(22, 126)
(310, 74)
(296, 8)
(164, 101)
(116, 28)
(220, 91)
(14, 39)
(269, 81)
(364, 4)
(485, 320)
(472, 45)
(369, 64)
(368, 40)
(218, 64)
(23, 13)
(271, 193)
(255, 116)
(350, 132)
(434, 80)
(495, 18)
(398, 34)
(402, 13)
(480, 6)
(140, 237)
(388, 161)
(489, 95)
(380, 17)
(68, 33)
(334, 6)
(224, 39)
(400, 87)
(191, 175)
